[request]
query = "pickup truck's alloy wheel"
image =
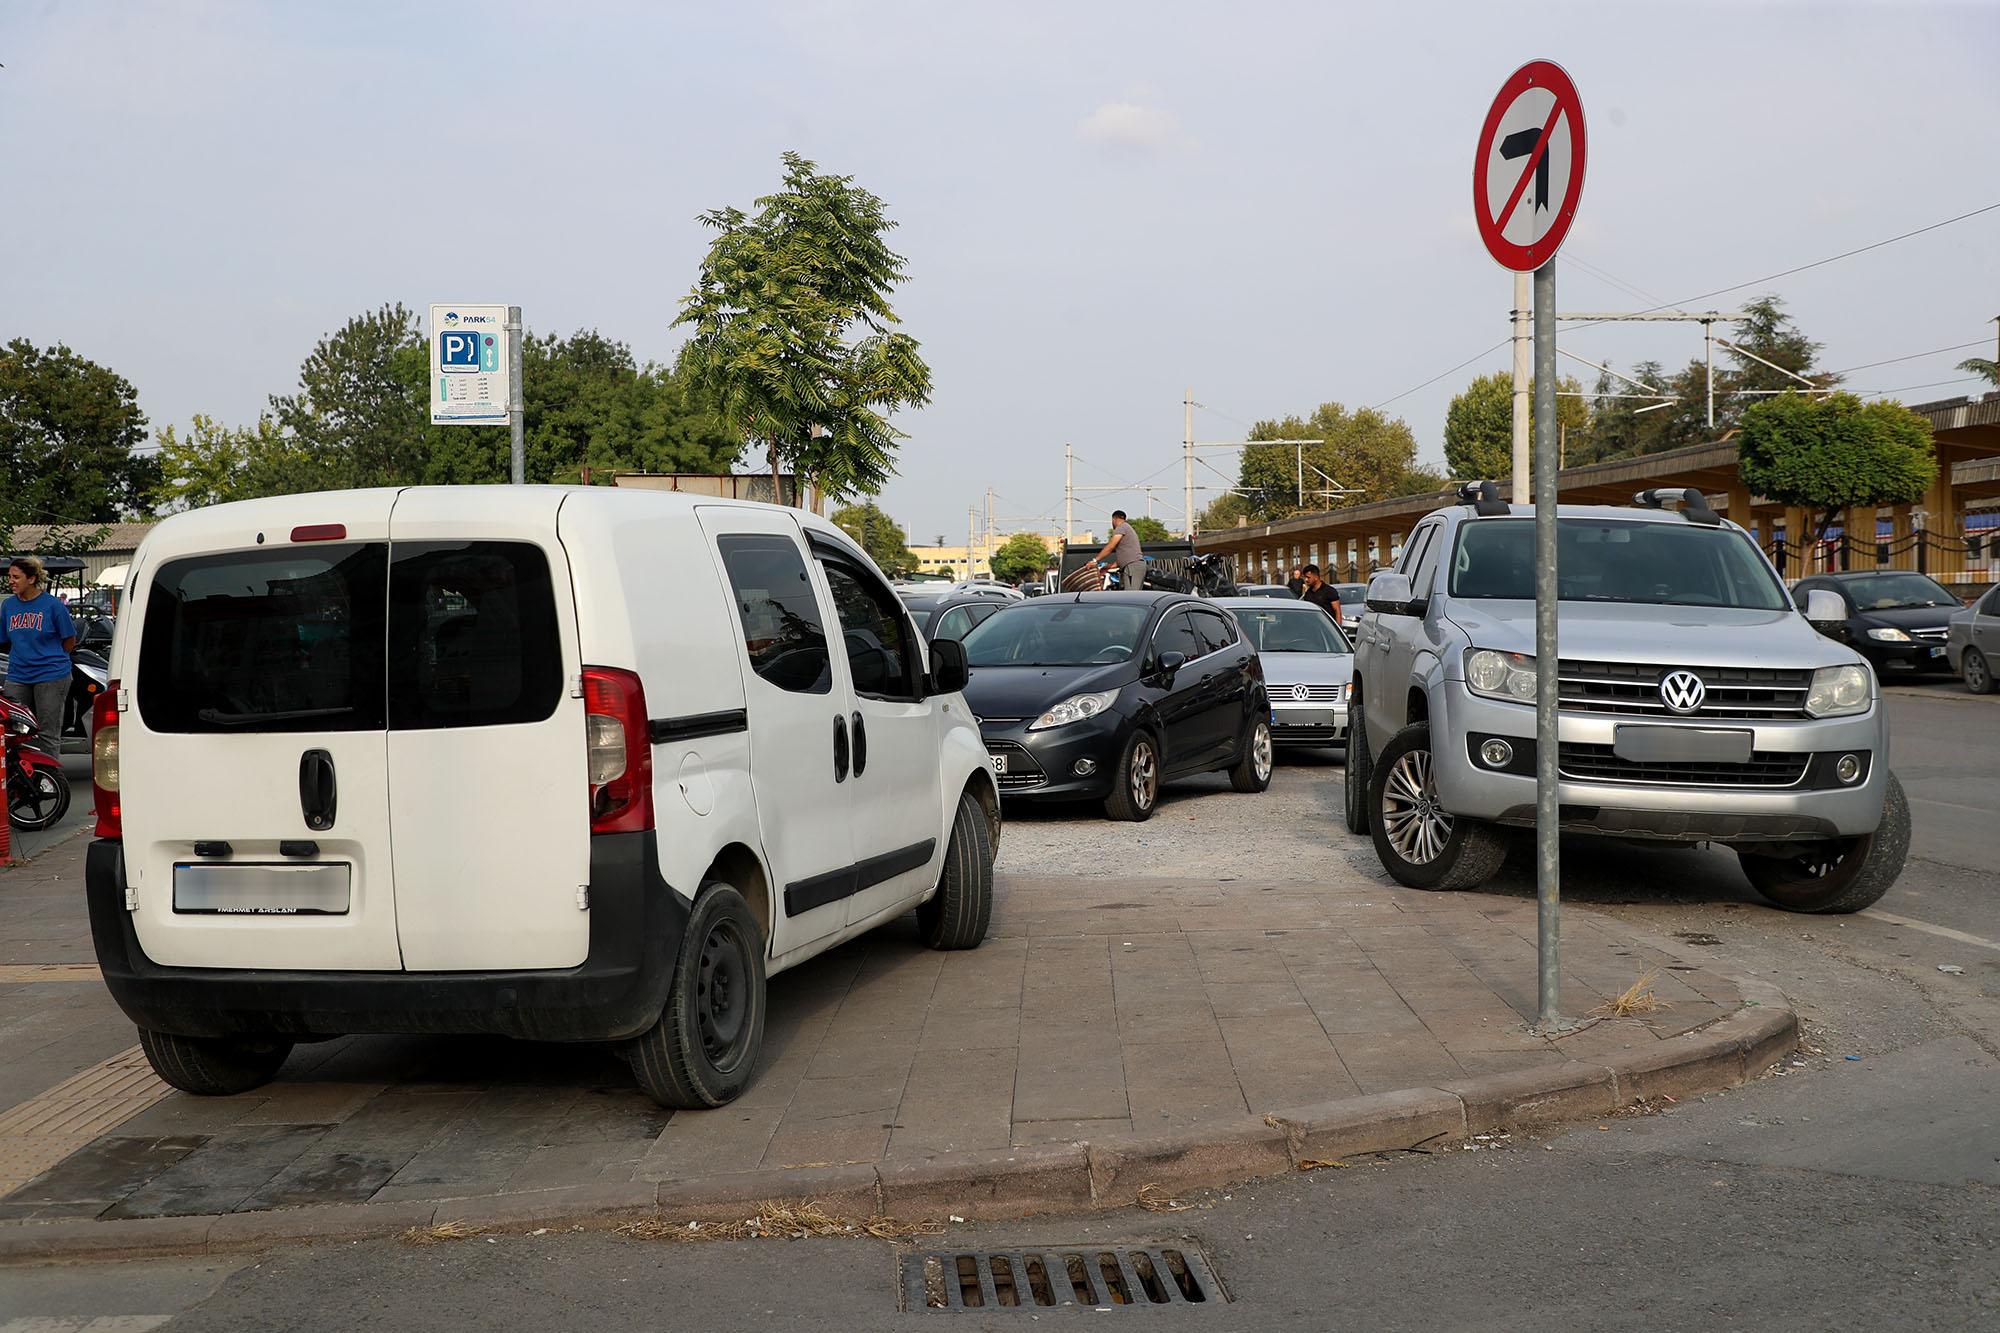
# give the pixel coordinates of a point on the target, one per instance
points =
(1843, 875)
(1978, 675)
(1419, 842)
(704, 1049)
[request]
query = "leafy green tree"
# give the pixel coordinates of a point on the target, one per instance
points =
(1984, 367)
(362, 403)
(214, 463)
(68, 431)
(777, 299)
(1833, 453)
(1372, 456)
(879, 535)
(1150, 529)
(1479, 424)
(1021, 556)
(1223, 513)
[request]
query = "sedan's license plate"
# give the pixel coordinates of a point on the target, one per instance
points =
(316, 889)
(1682, 745)
(999, 762)
(1937, 652)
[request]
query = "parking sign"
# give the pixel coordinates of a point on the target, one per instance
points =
(469, 365)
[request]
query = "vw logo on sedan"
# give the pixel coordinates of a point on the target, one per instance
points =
(1682, 691)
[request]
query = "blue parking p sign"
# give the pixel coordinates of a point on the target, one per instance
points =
(458, 351)
(471, 378)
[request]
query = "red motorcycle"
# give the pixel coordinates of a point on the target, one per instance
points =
(37, 787)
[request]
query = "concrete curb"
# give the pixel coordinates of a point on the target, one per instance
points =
(1007, 1183)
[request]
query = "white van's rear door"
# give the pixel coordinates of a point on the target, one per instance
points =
(254, 781)
(490, 813)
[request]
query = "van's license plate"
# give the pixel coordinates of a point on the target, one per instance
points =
(1681, 745)
(249, 889)
(999, 762)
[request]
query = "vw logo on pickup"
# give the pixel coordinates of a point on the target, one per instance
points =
(1301, 692)
(1682, 691)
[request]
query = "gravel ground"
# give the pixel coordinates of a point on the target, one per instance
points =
(1201, 829)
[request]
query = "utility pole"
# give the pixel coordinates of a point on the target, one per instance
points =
(1187, 434)
(971, 518)
(989, 527)
(1069, 493)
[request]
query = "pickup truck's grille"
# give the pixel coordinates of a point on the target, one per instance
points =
(1597, 763)
(1633, 690)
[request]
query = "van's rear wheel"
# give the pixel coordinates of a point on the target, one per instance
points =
(957, 915)
(1842, 875)
(214, 1066)
(704, 1049)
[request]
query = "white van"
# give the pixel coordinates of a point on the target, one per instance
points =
(561, 763)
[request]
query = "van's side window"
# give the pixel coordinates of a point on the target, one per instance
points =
(782, 628)
(260, 641)
(872, 628)
(473, 637)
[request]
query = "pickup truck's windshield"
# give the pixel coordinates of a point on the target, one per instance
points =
(1617, 560)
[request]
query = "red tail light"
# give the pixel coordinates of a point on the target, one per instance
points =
(620, 745)
(104, 762)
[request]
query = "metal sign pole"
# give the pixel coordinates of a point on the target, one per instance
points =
(517, 412)
(1548, 852)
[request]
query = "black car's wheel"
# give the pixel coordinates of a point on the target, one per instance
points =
(1420, 843)
(37, 798)
(214, 1066)
(1252, 770)
(1354, 787)
(1135, 785)
(1978, 674)
(704, 1049)
(1841, 875)
(957, 915)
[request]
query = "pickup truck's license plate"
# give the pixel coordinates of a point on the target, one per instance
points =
(999, 762)
(237, 889)
(1681, 745)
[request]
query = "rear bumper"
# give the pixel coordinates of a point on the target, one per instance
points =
(618, 991)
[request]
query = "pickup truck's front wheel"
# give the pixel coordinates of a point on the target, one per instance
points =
(1843, 875)
(1421, 844)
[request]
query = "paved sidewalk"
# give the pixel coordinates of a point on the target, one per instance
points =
(1110, 1034)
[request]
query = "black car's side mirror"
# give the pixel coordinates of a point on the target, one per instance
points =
(1169, 664)
(949, 671)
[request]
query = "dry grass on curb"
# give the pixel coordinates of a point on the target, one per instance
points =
(1637, 998)
(791, 1221)
(1156, 1200)
(440, 1233)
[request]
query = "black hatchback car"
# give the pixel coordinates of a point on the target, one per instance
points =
(1105, 696)
(1896, 618)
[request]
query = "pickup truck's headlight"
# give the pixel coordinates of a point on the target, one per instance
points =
(1889, 635)
(1838, 692)
(1509, 676)
(1074, 709)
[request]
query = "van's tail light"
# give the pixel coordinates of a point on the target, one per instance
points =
(104, 762)
(620, 751)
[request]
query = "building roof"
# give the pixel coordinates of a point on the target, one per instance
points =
(122, 538)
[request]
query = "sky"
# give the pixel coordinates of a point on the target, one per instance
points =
(1105, 205)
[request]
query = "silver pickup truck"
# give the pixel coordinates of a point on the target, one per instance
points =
(1697, 704)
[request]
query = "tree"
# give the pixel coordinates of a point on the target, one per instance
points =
(362, 404)
(1223, 513)
(1150, 529)
(1370, 455)
(214, 463)
(1834, 453)
(1479, 424)
(777, 298)
(1986, 369)
(1021, 556)
(68, 429)
(879, 535)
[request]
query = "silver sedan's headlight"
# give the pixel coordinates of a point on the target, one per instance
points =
(1839, 692)
(1509, 676)
(1889, 635)
(1074, 709)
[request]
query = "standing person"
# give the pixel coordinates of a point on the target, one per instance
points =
(1123, 553)
(1319, 594)
(1296, 582)
(36, 630)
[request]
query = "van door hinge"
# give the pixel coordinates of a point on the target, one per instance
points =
(583, 897)
(124, 699)
(576, 687)
(131, 899)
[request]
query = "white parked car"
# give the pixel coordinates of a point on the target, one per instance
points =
(572, 764)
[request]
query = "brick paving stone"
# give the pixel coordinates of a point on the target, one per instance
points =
(309, 1103)
(1381, 1062)
(219, 1177)
(1086, 1087)
(1069, 1131)
(825, 1147)
(700, 1143)
(971, 1029)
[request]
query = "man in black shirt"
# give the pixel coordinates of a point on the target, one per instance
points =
(1320, 594)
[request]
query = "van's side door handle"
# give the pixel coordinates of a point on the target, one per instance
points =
(318, 795)
(840, 749)
(860, 745)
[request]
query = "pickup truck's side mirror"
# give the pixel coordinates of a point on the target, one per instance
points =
(1825, 610)
(1168, 665)
(1389, 595)
(948, 669)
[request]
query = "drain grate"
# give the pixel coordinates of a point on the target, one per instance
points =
(1089, 1277)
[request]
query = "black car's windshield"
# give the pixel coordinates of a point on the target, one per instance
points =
(1058, 633)
(1891, 592)
(1617, 560)
(1282, 630)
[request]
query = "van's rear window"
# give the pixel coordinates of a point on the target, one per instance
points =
(330, 639)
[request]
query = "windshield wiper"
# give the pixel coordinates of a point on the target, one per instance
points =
(216, 717)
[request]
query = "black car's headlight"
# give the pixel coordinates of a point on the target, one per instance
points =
(1074, 709)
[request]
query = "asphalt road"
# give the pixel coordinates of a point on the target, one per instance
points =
(1855, 1190)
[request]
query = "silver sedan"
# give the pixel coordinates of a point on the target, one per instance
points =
(1308, 663)
(1972, 642)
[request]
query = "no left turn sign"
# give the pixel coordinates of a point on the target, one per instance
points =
(1528, 174)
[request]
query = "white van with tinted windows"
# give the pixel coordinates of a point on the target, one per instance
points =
(559, 763)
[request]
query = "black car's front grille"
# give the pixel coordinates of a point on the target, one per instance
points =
(1022, 770)
(1930, 635)
(1630, 689)
(1598, 763)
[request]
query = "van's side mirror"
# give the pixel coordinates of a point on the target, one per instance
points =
(1825, 610)
(1389, 595)
(1169, 664)
(948, 669)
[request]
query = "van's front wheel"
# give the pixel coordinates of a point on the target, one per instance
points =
(703, 1051)
(957, 915)
(214, 1066)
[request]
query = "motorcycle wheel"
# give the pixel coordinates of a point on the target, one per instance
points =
(37, 798)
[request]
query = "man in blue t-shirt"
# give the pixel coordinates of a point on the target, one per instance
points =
(38, 634)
